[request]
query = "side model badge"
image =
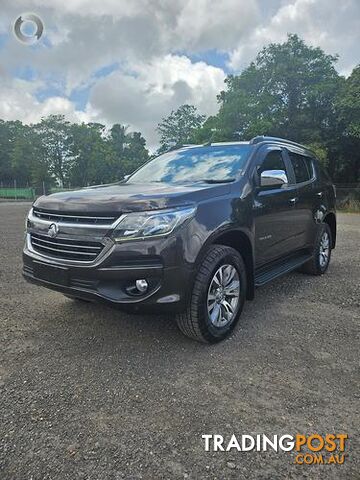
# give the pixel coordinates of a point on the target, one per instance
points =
(265, 237)
(53, 230)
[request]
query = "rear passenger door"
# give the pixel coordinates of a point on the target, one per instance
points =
(304, 173)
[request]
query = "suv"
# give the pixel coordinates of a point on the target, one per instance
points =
(193, 231)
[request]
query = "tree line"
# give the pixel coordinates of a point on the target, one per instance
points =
(290, 90)
(57, 152)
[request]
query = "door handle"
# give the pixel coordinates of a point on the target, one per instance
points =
(293, 201)
(319, 194)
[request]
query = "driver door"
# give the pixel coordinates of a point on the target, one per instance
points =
(274, 209)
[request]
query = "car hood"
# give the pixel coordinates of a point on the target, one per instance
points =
(127, 197)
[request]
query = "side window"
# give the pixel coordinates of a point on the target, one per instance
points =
(273, 161)
(302, 167)
(310, 164)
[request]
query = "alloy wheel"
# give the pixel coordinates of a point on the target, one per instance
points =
(324, 250)
(223, 295)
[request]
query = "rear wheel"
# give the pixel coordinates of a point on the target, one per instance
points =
(319, 262)
(217, 298)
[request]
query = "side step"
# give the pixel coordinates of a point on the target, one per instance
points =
(265, 275)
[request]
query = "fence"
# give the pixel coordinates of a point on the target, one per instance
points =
(347, 195)
(15, 193)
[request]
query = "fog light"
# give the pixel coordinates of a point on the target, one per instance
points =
(141, 285)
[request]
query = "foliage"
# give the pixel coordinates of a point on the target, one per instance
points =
(178, 127)
(59, 153)
(346, 153)
(288, 91)
(293, 91)
(348, 103)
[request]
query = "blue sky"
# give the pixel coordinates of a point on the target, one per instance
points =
(133, 62)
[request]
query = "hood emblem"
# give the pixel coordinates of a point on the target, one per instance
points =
(53, 230)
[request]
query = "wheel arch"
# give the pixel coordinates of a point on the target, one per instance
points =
(330, 219)
(241, 242)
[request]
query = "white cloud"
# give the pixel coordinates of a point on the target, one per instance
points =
(87, 35)
(329, 24)
(18, 102)
(208, 24)
(139, 98)
(147, 94)
(151, 42)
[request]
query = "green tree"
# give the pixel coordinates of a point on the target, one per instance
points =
(288, 91)
(9, 131)
(345, 163)
(135, 153)
(89, 155)
(179, 126)
(129, 151)
(57, 143)
(25, 154)
(348, 104)
(118, 137)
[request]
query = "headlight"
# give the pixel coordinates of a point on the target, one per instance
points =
(141, 225)
(27, 221)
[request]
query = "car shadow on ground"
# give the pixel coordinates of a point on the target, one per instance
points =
(113, 326)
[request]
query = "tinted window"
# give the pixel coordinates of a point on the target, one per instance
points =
(194, 164)
(302, 167)
(273, 161)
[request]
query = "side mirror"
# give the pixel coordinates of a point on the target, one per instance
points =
(273, 178)
(126, 177)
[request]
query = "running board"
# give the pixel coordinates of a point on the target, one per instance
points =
(280, 268)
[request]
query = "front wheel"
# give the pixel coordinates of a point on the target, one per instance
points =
(217, 298)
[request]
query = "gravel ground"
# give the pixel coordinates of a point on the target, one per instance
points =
(88, 392)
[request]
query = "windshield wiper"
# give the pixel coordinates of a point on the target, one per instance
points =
(214, 180)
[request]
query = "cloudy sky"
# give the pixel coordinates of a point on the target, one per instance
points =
(133, 61)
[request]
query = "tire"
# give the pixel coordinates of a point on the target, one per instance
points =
(207, 323)
(318, 264)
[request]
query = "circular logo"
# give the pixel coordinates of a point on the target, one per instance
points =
(33, 37)
(53, 230)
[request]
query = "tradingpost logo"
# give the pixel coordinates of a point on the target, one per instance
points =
(313, 449)
(32, 20)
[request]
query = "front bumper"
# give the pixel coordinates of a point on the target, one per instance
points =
(110, 280)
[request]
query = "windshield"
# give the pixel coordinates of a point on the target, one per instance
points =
(211, 163)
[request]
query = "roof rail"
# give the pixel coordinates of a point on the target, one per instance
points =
(192, 145)
(264, 138)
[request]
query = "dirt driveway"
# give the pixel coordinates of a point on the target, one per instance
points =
(88, 392)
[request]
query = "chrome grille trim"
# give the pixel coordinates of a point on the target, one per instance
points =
(65, 244)
(65, 249)
(74, 219)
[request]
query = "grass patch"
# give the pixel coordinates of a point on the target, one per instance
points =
(349, 206)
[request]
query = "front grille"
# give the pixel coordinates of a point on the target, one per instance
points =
(75, 218)
(65, 249)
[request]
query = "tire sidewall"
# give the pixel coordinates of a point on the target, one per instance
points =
(211, 333)
(324, 228)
